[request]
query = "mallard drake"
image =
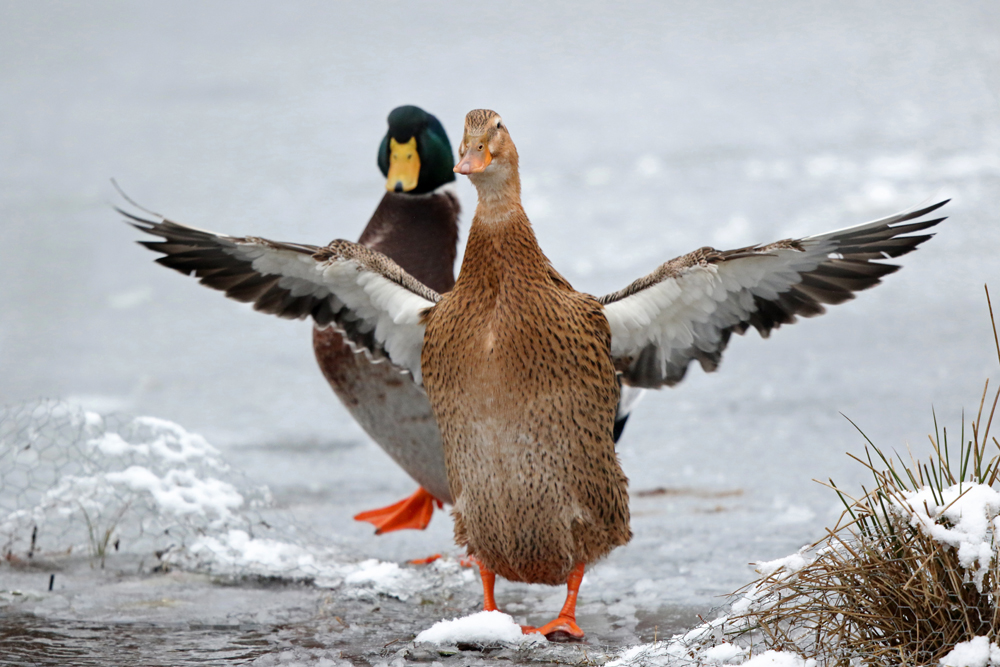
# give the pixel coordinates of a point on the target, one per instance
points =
(416, 224)
(522, 372)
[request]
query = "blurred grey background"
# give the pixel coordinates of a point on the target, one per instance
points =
(645, 130)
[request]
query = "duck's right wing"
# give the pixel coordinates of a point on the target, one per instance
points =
(362, 293)
(689, 307)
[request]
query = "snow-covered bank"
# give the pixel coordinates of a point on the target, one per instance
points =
(909, 574)
(75, 482)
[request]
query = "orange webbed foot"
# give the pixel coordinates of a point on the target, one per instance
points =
(563, 629)
(462, 562)
(414, 512)
(425, 561)
(489, 580)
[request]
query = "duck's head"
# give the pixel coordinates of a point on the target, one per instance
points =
(487, 154)
(415, 155)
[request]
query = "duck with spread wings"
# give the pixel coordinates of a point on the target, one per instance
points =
(522, 371)
(416, 225)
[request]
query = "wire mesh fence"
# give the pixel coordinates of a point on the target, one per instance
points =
(73, 482)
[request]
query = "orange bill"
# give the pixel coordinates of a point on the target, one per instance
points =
(477, 157)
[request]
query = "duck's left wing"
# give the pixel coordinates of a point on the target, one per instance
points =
(369, 298)
(689, 307)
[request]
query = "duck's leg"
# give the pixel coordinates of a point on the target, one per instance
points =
(566, 621)
(489, 581)
(414, 512)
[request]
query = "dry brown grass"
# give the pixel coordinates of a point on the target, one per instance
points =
(879, 590)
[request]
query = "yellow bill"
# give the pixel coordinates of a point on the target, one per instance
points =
(404, 166)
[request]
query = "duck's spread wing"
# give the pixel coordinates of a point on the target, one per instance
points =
(364, 294)
(689, 307)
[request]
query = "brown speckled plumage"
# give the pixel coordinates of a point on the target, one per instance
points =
(517, 367)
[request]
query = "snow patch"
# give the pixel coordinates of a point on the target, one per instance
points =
(385, 578)
(977, 652)
(726, 653)
(176, 445)
(790, 564)
(77, 482)
(182, 492)
(238, 553)
(113, 444)
(967, 520)
(779, 659)
(485, 627)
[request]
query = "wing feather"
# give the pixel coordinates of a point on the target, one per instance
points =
(688, 308)
(364, 294)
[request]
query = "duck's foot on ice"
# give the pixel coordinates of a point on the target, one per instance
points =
(425, 561)
(563, 629)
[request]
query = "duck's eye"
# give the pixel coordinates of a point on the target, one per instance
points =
(499, 124)
(480, 147)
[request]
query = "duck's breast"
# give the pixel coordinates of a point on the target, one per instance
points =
(525, 393)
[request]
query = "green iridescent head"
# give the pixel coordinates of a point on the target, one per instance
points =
(415, 155)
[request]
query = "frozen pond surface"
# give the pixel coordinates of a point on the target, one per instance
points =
(643, 134)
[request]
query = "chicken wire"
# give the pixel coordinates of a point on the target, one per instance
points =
(73, 482)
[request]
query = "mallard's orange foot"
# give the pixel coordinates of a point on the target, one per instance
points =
(462, 562)
(414, 512)
(562, 629)
(425, 561)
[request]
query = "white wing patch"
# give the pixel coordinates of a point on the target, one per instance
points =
(392, 311)
(689, 310)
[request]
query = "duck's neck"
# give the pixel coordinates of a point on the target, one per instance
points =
(502, 249)
(499, 196)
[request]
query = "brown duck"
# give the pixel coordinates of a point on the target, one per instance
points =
(518, 368)
(522, 372)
